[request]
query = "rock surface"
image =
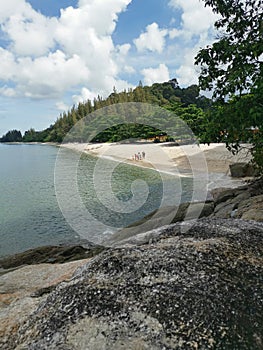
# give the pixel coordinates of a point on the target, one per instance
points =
(190, 285)
(195, 286)
(245, 202)
(50, 254)
(242, 170)
(18, 287)
(162, 217)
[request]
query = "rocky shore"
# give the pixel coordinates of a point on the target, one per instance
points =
(188, 285)
(50, 254)
(244, 202)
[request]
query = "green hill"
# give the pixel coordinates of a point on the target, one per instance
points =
(184, 102)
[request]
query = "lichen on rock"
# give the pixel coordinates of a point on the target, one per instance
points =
(201, 289)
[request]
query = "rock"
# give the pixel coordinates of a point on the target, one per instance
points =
(253, 214)
(22, 290)
(221, 195)
(197, 286)
(50, 254)
(256, 187)
(189, 211)
(224, 205)
(217, 193)
(189, 285)
(243, 202)
(225, 209)
(242, 170)
(238, 169)
(162, 217)
(251, 209)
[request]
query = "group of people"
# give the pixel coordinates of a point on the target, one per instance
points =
(139, 156)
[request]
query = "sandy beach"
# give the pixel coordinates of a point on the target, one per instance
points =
(185, 160)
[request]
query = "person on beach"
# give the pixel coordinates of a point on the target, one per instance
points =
(139, 156)
(143, 154)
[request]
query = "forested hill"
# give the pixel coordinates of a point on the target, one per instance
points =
(185, 102)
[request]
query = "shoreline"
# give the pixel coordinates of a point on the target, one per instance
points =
(244, 202)
(175, 161)
(44, 304)
(117, 152)
(180, 161)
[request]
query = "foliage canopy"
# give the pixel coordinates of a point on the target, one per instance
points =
(186, 103)
(233, 68)
(12, 136)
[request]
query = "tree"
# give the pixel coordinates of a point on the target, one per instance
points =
(12, 136)
(233, 68)
(168, 94)
(190, 95)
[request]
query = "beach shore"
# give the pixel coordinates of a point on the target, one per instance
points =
(185, 160)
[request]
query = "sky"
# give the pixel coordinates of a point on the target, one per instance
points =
(56, 53)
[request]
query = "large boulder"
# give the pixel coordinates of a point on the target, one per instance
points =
(251, 209)
(242, 170)
(17, 289)
(196, 286)
(222, 195)
(227, 208)
(243, 202)
(162, 217)
(51, 254)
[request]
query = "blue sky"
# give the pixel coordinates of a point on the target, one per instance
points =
(56, 53)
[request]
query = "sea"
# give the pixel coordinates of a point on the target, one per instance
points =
(32, 211)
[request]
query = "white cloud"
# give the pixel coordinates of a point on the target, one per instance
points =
(186, 75)
(30, 34)
(188, 72)
(153, 39)
(46, 76)
(101, 15)
(129, 69)
(48, 56)
(85, 95)
(7, 66)
(174, 33)
(155, 75)
(61, 106)
(123, 49)
(196, 18)
(196, 31)
(121, 58)
(86, 31)
(7, 91)
(8, 8)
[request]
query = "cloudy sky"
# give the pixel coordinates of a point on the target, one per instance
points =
(54, 53)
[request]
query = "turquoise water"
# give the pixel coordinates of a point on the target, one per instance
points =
(29, 213)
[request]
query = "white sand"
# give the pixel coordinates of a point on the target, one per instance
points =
(178, 160)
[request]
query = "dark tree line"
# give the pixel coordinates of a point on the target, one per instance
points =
(185, 102)
(12, 136)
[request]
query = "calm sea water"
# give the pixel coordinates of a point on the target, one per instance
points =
(29, 213)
